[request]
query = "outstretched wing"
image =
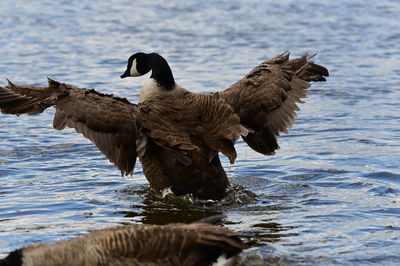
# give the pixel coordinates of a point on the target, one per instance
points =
(266, 98)
(110, 122)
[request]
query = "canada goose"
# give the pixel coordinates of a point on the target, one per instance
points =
(177, 134)
(198, 243)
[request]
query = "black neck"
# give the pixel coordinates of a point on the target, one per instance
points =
(14, 258)
(161, 71)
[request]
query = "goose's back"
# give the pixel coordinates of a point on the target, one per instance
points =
(174, 244)
(185, 120)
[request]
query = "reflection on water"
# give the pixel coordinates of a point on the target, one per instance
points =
(155, 208)
(329, 196)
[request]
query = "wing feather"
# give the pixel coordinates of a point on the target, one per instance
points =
(266, 99)
(191, 121)
(168, 124)
(109, 122)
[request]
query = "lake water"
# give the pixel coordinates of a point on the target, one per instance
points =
(331, 194)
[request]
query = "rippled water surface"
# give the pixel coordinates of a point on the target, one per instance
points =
(331, 194)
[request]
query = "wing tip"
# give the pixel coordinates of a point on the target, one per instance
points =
(10, 84)
(53, 83)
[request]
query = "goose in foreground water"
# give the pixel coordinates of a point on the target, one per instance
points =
(198, 243)
(177, 134)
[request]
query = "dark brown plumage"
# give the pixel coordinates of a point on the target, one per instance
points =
(174, 244)
(266, 99)
(175, 133)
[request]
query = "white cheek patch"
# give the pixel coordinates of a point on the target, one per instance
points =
(133, 71)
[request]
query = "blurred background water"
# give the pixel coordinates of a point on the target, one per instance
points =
(329, 196)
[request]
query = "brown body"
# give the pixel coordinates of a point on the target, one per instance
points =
(145, 245)
(178, 134)
(184, 138)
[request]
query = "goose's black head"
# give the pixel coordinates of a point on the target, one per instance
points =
(141, 63)
(137, 66)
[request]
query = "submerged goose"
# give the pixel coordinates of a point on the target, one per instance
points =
(198, 243)
(177, 134)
